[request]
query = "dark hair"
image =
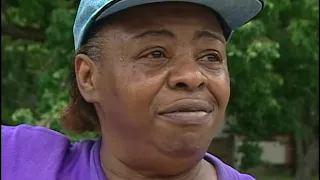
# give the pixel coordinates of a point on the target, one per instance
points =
(80, 116)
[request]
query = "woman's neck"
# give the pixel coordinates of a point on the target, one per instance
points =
(115, 169)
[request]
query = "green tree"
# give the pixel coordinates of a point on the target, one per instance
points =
(37, 46)
(273, 64)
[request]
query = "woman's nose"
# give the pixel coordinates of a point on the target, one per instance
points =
(187, 76)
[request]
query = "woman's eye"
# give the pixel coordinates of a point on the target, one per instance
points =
(156, 54)
(211, 58)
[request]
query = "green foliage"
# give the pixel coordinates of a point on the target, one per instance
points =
(35, 74)
(252, 152)
(273, 64)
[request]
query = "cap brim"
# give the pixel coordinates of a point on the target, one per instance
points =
(235, 12)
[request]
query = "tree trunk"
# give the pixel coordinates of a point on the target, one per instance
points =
(307, 146)
(306, 162)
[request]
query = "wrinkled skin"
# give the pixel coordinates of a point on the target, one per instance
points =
(153, 58)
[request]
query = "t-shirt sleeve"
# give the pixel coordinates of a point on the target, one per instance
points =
(246, 177)
(32, 152)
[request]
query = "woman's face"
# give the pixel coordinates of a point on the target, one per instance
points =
(163, 84)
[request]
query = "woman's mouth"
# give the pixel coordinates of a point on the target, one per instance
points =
(187, 112)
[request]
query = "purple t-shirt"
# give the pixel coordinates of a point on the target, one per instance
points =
(38, 153)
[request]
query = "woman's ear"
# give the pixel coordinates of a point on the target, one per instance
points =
(86, 74)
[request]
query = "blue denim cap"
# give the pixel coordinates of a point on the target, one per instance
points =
(234, 13)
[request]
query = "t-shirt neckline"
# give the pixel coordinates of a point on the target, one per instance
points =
(217, 163)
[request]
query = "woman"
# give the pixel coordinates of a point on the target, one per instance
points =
(152, 78)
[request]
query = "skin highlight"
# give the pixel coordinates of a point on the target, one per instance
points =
(168, 55)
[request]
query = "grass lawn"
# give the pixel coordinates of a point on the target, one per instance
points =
(279, 177)
(273, 174)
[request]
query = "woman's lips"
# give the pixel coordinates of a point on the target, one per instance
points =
(187, 112)
(187, 118)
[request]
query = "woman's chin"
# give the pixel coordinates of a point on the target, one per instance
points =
(187, 146)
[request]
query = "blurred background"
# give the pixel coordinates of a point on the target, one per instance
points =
(272, 124)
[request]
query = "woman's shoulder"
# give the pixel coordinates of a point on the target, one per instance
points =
(34, 152)
(225, 171)
(24, 138)
(26, 131)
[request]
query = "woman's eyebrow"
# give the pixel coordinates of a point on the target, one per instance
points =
(156, 33)
(209, 35)
(167, 34)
